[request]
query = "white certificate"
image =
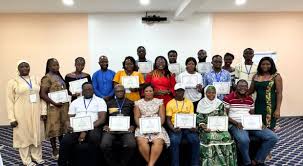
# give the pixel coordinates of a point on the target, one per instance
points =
(215, 123)
(119, 123)
(76, 86)
(130, 81)
(83, 123)
(59, 96)
(150, 125)
(145, 67)
(252, 122)
(222, 87)
(204, 67)
(185, 121)
(174, 68)
(189, 81)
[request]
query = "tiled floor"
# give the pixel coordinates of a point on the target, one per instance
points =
(288, 151)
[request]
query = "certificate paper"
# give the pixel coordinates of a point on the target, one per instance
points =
(189, 81)
(145, 67)
(130, 81)
(215, 123)
(150, 125)
(76, 86)
(222, 87)
(119, 123)
(59, 96)
(174, 68)
(185, 121)
(252, 122)
(83, 123)
(204, 67)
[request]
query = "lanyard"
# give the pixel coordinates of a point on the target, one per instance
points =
(28, 83)
(58, 78)
(218, 76)
(120, 106)
(86, 107)
(178, 107)
(248, 71)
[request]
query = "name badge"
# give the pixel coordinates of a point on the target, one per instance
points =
(33, 98)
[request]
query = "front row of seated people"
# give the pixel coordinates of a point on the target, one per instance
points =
(208, 148)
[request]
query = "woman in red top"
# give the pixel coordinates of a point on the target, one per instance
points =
(162, 80)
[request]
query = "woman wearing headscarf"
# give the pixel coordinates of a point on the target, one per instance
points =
(24, 110)
(217, 148)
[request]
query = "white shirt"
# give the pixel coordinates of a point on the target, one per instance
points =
(91, 107)
(191, 93)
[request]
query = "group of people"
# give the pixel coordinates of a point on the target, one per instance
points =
(254, 89)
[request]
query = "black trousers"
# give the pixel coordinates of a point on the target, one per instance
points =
(71, 153)
(118, 149)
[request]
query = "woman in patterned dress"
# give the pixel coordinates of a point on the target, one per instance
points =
(150, 107)
(217, 147)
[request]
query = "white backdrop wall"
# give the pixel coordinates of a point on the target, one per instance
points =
(119, 35)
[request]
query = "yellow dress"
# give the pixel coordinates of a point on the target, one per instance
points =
(133, 96)
(30, 129)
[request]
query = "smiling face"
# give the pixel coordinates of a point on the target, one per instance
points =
(54, 66)
(103, 62)
(191, 66)
(217, 62)
(129, 65)
(211, 93)
(23, 69)
(265, 66)
(149, 93)
(160, 63)
(228, 60)
(242, 87)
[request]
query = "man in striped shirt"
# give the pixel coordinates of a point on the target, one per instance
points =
(238, 104)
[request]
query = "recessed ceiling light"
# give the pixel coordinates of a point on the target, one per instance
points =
(144, 2)
(240, 2)
(68, 2)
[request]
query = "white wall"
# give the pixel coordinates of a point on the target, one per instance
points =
(119, 35)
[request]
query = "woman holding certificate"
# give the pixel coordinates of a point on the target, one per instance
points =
(53, 92)
(75, 79)
(149, 117)
(217, 148)
(268, 85)
(162, 80)
(192, 81)
(24, 110)
(130, 78)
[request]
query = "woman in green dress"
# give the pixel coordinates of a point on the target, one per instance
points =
(217, 147)
(268, 85)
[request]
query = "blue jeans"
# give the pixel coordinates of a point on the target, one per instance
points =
(267, 137)
(175, 141)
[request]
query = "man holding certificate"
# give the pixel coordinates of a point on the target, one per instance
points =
(173, 66)
(120, 128)
(181, 121)
(87, 114)
(243, 125)
(218, 77)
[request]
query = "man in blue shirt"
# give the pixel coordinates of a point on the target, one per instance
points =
(103, 80)
(218, 75)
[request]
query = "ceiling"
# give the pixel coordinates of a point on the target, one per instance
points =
(123, 6)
